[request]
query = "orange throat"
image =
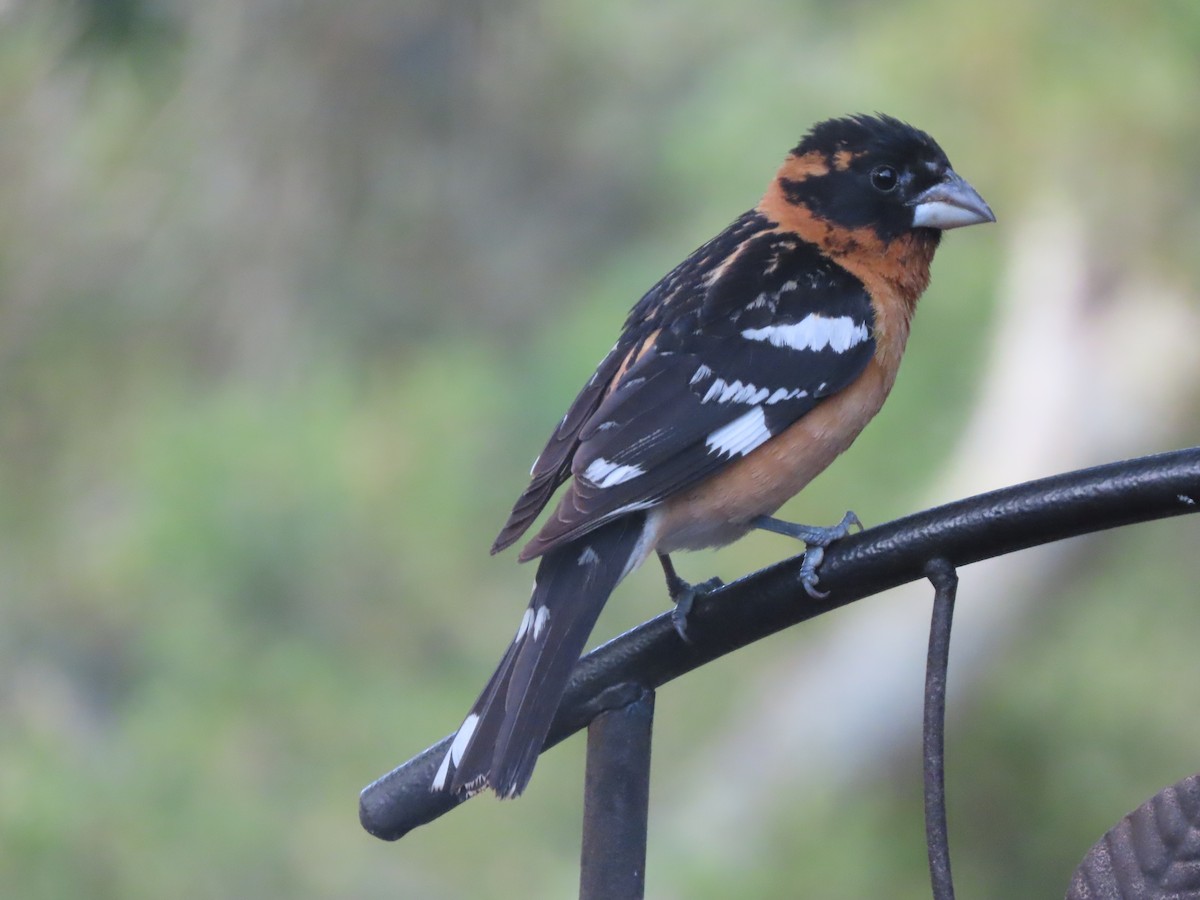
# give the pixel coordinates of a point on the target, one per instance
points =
(891, 271)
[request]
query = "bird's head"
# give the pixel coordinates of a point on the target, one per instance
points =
(877, 172)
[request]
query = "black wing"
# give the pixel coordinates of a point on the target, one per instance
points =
(553, 465)
(678, 287)
(734, 346)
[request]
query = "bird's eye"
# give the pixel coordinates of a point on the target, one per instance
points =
(884, 179)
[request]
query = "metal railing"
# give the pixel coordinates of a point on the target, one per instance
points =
(612, 688)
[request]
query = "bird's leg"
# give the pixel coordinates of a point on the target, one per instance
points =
(683, 595)
(816, 539)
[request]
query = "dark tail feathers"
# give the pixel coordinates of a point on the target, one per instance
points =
(499, 741)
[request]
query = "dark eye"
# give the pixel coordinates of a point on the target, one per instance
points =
(884, 179)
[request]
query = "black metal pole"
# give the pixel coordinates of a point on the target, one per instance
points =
(937, 836)
(616, 802)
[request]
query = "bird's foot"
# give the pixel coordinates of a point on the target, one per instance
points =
(684, 595)
(816, 538)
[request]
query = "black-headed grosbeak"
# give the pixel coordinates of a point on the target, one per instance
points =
(737, 379)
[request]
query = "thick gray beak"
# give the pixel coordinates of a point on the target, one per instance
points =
(951, 203)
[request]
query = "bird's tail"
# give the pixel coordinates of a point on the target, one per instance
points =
(498, 743)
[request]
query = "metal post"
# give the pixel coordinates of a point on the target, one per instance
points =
(616, 802)
(945, 584)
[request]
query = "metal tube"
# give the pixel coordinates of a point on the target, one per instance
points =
(616, 802)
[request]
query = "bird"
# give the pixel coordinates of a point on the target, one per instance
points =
(736, 379)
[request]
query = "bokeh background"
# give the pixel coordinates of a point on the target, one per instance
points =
(291, 294)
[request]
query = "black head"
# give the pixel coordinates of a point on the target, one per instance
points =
(878, 172)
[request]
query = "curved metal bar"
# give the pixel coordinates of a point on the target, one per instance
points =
(966, 531)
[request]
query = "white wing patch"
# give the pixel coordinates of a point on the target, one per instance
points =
(813, 332)
(784, 394)
(722, 391)
(741, 435)
(771, 301)
(603, 473)
(734, 392)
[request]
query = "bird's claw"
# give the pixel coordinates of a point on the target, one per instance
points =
(814, 555)
(816, 538)
(684, 596)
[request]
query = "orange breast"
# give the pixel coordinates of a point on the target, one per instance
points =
(718, 509)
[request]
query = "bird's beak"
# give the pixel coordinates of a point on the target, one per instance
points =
(951, 203)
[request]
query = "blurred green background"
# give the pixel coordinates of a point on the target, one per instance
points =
(291, 294)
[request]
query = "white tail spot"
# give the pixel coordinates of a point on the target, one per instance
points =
(526, 621)
(540, 618)
(458, 747)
